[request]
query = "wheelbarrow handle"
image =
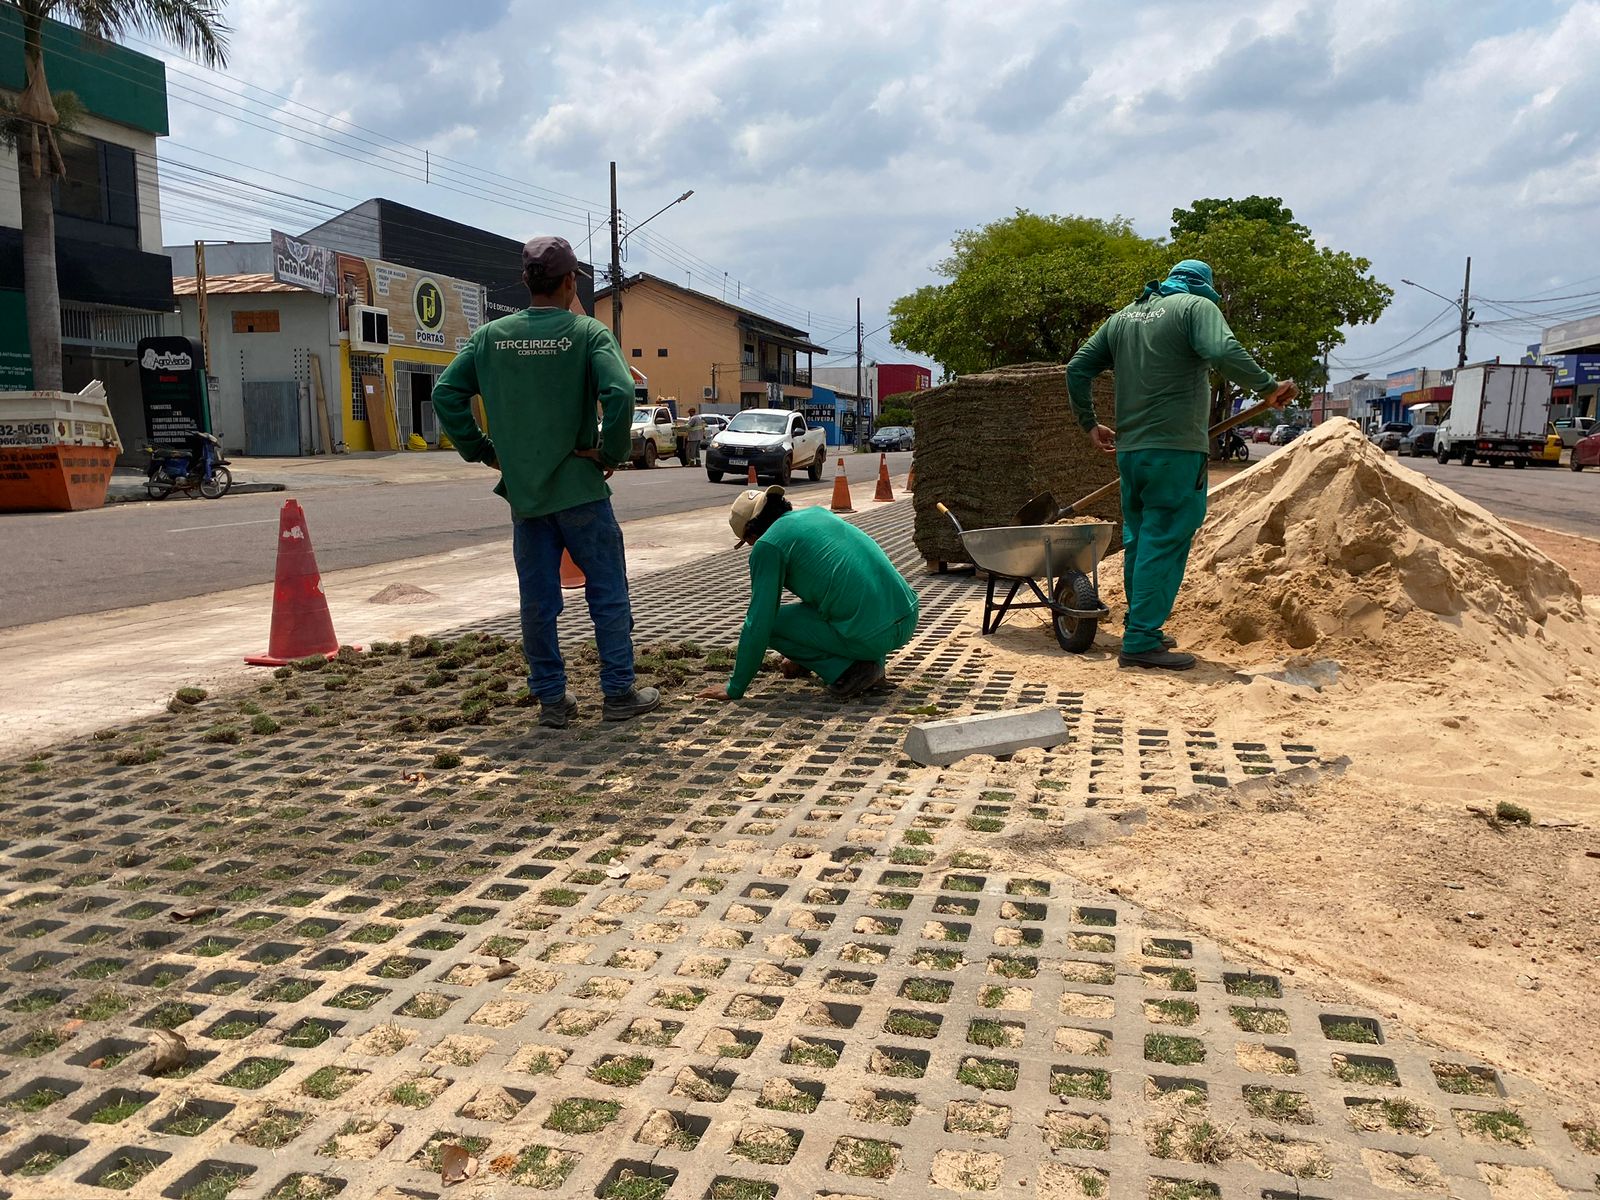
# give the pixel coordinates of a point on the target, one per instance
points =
(940, 506)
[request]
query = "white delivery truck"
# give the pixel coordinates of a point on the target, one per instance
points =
(1499, 412)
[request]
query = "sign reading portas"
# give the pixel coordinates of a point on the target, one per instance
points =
(427, 302)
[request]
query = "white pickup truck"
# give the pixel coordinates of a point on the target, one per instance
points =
(653, 435)
(774, 441)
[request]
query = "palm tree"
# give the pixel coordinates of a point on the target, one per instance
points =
(193, 26)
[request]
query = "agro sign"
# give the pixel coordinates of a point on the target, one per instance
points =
(172, 382)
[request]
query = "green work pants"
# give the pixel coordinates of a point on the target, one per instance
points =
(801, 634)
(1163, 504)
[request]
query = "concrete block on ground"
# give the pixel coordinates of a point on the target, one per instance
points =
(940, 743)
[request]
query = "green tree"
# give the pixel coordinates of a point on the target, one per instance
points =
(1287, 298)
(1027, 288)
(30, 121)
(1200, 215)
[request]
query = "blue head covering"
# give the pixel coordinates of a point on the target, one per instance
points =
(1191, 275)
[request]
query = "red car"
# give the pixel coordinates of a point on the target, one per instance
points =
(1262, 435)
(1586, 452)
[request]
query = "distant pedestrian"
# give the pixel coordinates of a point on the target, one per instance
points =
(541, 373)
(1162, 347)
(693, 435)
(854, 608)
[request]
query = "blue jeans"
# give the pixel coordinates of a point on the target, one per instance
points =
(589, 532)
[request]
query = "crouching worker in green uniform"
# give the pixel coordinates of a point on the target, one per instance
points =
(1161, 347)
(854, 608)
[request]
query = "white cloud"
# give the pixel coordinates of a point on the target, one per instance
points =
(834, 147)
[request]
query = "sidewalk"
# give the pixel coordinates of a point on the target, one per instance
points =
(322, 471)
(72, 676)
(743, 952)
(360, 468)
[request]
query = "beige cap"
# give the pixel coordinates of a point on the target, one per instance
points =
(748, 507)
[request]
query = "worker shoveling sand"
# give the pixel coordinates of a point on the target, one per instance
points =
(1338, 599)
(1331, 548)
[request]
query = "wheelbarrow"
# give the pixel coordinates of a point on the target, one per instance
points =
(1065, 557)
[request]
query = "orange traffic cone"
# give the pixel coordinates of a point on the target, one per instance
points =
(571, 576)
(301, 625)
(911, 477)
(841, 491)
(884, 492)
(750, 479)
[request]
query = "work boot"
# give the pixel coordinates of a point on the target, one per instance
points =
(858, 677)
(1161, 660)
(558, 714)
(634, 702)
(1168, 642)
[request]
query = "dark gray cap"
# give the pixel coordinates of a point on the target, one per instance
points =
(551, 257)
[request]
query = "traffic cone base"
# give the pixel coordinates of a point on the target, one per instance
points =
(571, 576)
(841, 491)
(301, 624)
(885, 491)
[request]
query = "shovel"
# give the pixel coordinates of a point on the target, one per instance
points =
(1043, 510)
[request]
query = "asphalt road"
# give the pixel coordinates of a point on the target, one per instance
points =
(67, 564)
(1554, 497)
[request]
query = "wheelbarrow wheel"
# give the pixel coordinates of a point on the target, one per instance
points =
(1075, 590)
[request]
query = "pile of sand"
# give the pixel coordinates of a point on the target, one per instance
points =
(1329, 547)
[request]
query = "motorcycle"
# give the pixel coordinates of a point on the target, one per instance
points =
(1235, 447)
(198, 468)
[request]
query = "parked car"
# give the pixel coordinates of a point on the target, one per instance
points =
(1284, 434)
(892, 437)
(1262, 435)
(1587, 452)
(653, 435)
(1573, 429)
(1417, 442)
(774, 441)
(1388, 438)
(715, 424)
(1551, 455)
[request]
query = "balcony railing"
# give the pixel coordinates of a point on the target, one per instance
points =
(787, 376)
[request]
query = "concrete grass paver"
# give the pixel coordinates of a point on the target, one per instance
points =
(724, 952)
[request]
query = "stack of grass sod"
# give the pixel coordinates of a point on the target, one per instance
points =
(989, 443)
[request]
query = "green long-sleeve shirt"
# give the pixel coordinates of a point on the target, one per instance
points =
(540, 372)
(830, 565)
(1161, 350)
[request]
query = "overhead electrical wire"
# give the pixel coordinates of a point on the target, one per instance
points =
(414, 163)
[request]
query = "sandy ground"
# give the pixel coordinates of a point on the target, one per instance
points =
(1374, 880)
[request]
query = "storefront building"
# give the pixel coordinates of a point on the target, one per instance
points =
(115, 284)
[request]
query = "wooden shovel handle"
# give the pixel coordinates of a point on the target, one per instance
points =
(1217, 430)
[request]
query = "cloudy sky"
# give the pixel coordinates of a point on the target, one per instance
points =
(833, 147)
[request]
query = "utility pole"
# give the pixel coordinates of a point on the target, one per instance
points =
(200, 303)
(858, 373)
(616, 261)
(1466, 316)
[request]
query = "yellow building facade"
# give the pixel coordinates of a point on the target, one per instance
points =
(705, 352)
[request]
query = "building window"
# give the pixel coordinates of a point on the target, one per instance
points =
(637, 352)
(662, 353)
(100, 188)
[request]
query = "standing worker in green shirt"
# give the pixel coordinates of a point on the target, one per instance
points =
(541, 373)
(855, 609)
(1161, 347)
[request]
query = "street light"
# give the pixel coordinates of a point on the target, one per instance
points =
(654, 215)
(617, 238)
(1466, 313)
(1431, 292)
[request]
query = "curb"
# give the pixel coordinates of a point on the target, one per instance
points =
(238, 489)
